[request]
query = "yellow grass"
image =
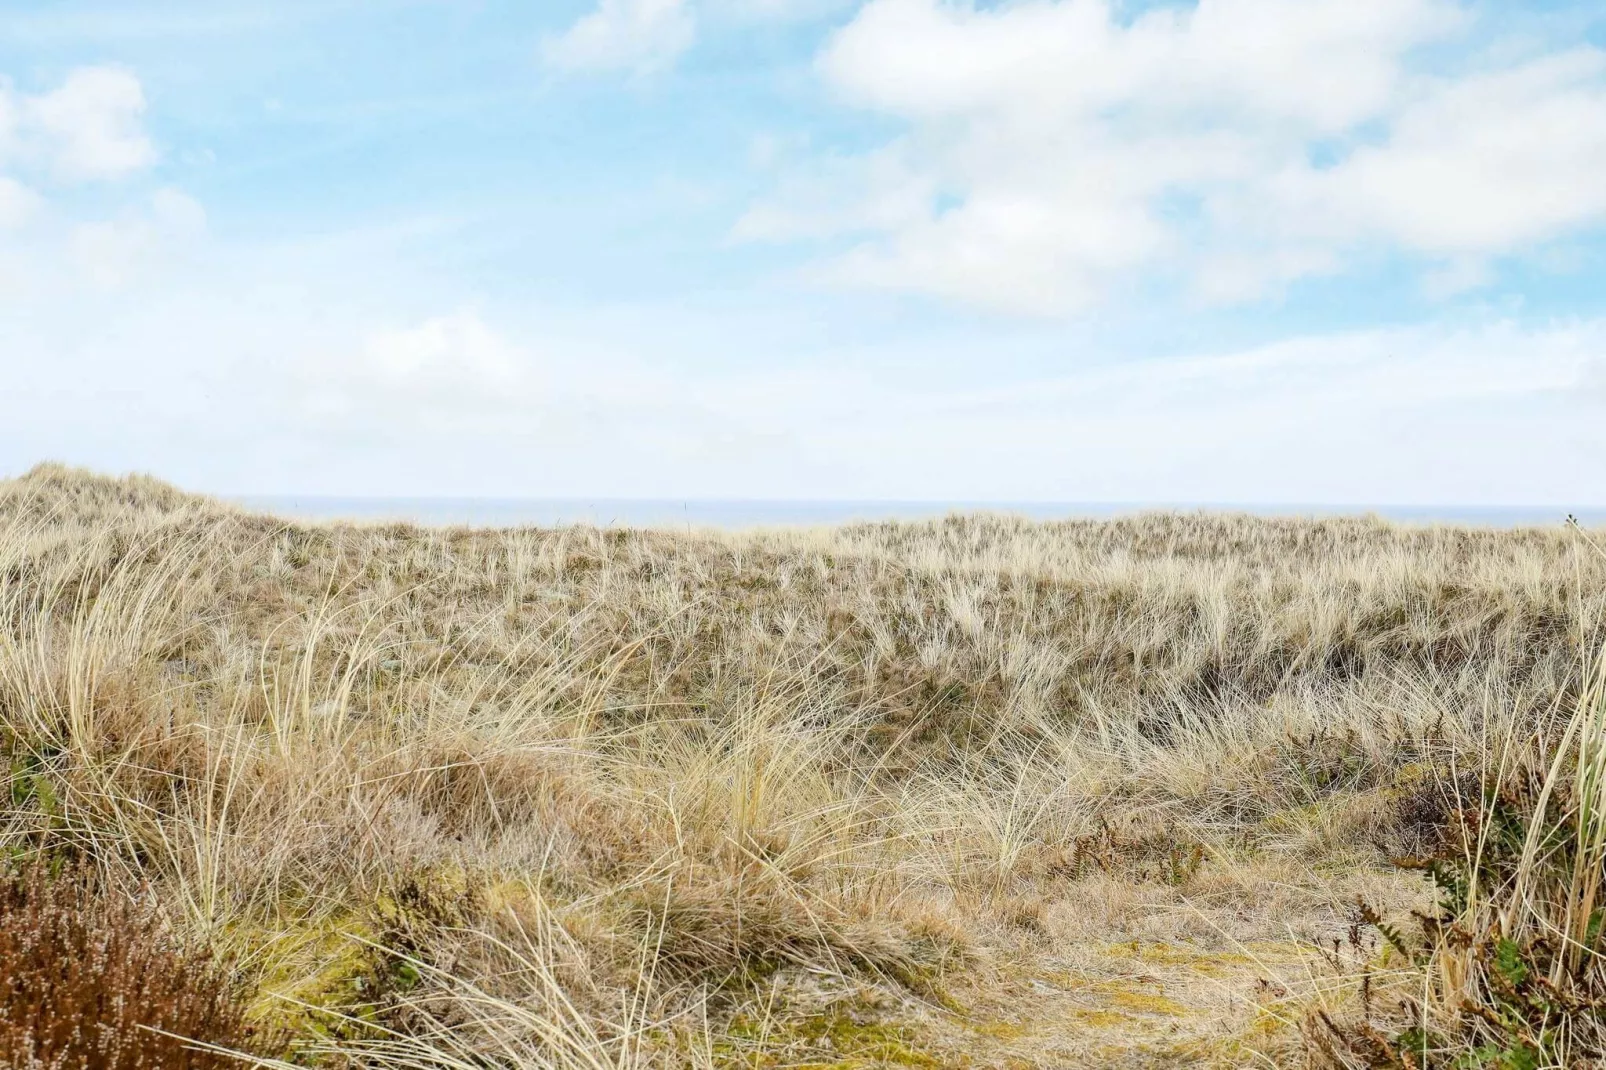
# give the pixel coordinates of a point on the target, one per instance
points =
(975, 792)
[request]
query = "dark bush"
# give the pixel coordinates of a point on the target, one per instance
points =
(94, 982)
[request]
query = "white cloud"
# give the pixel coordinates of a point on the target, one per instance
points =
(178, 213)
(90, 127)
(1592, 381)
(446, 371)
(647, 36)
(332, 367)
(880, 191)
(1488, 413)
(451, 352)
(624, 35)
(8, 119)
(113, 253)
(775, 9)
(1054, 150)
(1320, 63)
(18, 203)
(1484, 164)
(87, 128)
(108, 252)
(1457, 276)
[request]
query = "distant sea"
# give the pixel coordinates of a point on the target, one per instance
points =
(736, 514)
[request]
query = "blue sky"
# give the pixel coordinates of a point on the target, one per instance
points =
(1234, 251)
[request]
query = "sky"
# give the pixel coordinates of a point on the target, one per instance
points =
(1316, 251)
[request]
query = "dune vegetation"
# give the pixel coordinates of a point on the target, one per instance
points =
(1162, 790)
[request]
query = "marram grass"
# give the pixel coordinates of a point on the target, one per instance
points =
(974, 792)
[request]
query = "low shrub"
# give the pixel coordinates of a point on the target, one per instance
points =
(91, 981)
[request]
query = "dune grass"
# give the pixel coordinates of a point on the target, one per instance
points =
(976, 792)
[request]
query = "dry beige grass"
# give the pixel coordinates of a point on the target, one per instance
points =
(977, 792)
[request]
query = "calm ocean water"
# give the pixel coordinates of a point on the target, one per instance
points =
(730, 515)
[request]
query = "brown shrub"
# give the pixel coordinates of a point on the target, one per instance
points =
(92, 982)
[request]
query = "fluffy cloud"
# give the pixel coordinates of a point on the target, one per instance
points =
(1481, 165)
(451, 371)
(8, 119)
(449, 351)
(1054, 149)
(1323, 63)
(88, 128)
(881, 191)
(645, 36)
(501, 409)
(18, 203)
(624, 35)
(111, 253)
(775, 9)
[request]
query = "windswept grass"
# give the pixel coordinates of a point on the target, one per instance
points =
(1508, 970)
(955, 793)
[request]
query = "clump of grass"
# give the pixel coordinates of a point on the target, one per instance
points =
(1509, 970)
(90, 981)
(510, 990)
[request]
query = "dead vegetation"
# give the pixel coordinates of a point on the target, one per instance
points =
(974, 792)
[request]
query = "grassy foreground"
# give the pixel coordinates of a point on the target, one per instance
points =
(978, 792)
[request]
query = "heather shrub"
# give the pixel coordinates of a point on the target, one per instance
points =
(92, 981)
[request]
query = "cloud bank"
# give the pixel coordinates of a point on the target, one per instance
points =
(1053, 152)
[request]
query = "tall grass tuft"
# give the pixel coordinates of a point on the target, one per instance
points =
(1510, 970)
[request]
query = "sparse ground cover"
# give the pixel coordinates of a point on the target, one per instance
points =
(969, 793)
